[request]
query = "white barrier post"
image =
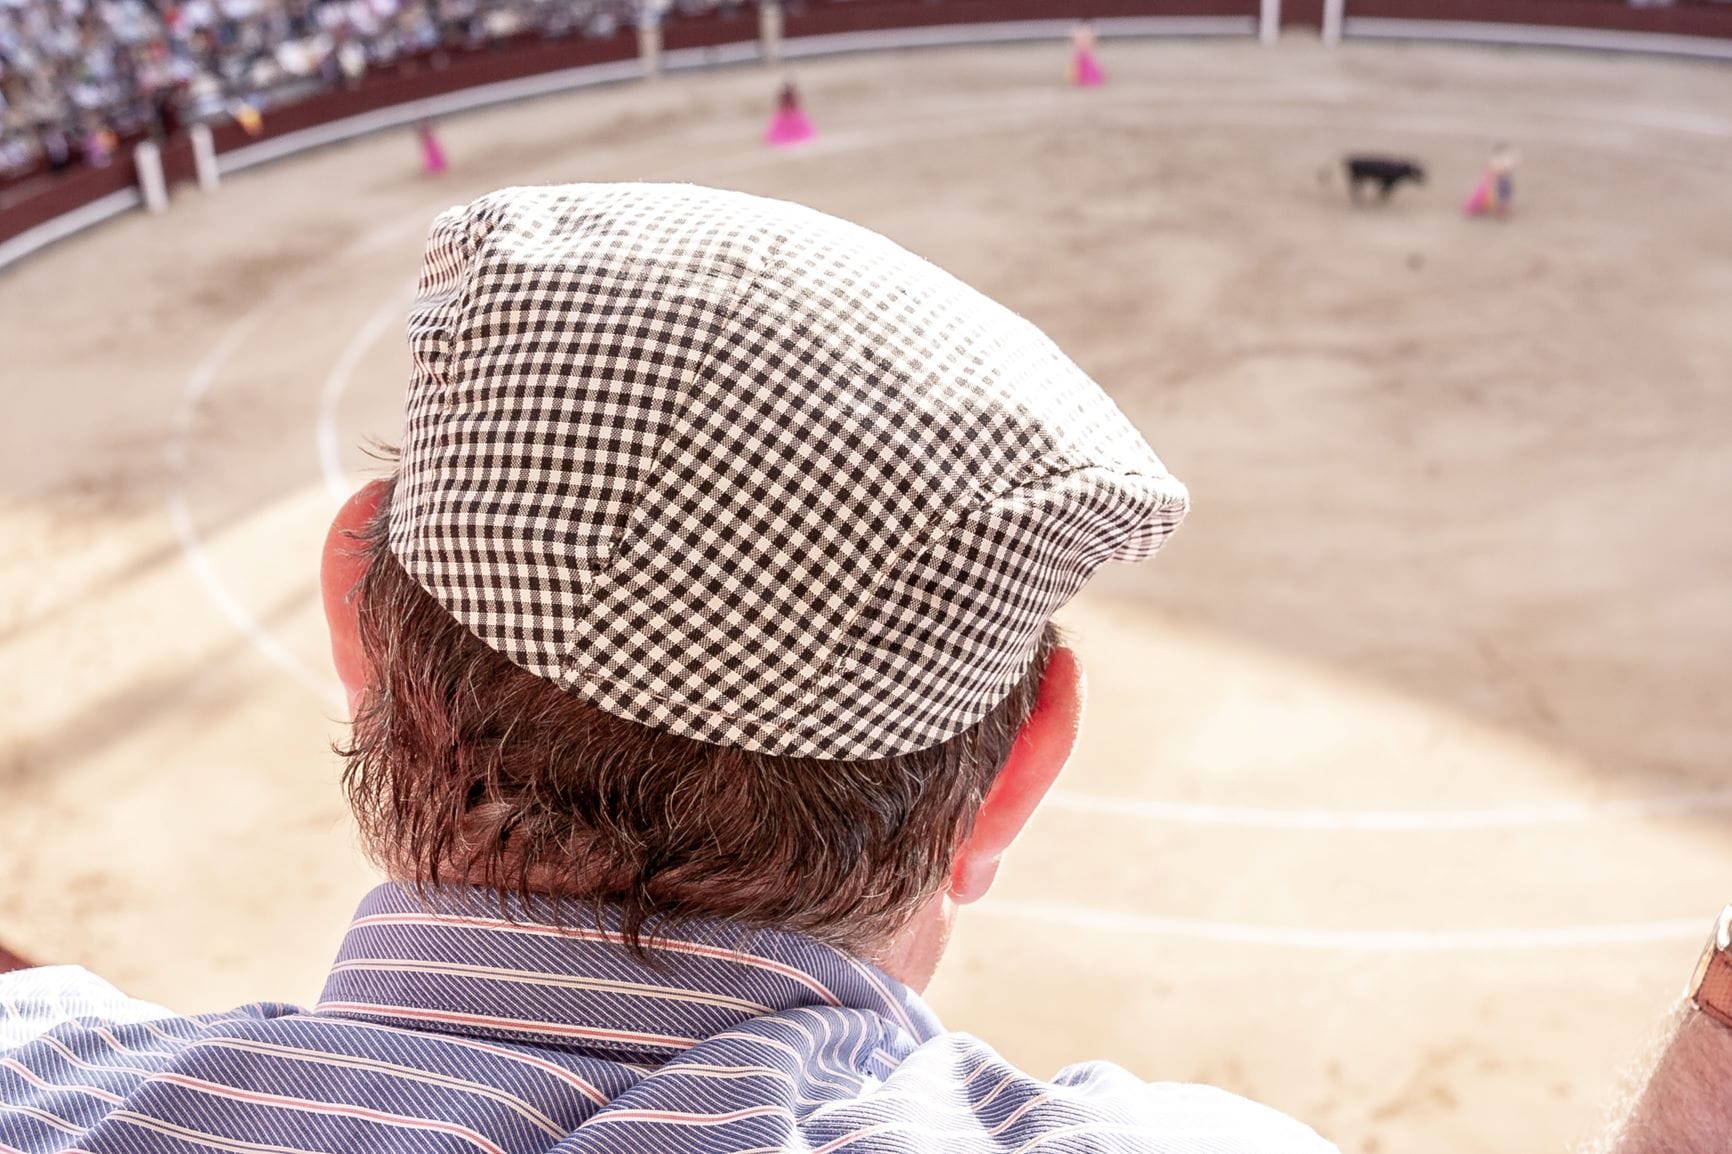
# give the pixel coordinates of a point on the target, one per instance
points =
(649, 43)
(147, 159)
(204, 157)
(1269, 23)
(770, 31)
(1333, 11)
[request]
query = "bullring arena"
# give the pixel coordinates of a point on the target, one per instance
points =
(1404, 801)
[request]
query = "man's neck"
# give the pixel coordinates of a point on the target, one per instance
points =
(912, 956)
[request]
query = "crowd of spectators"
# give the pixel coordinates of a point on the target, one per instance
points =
(79, 77)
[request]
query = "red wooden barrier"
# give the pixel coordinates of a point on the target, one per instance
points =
(1684, 19)
(712, 28)
(40, 199)
(825, 19)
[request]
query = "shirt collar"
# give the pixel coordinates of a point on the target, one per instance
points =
(476, 962)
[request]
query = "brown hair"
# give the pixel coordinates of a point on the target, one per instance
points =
(465, 768)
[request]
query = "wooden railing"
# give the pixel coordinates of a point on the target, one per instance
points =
(1685, 18)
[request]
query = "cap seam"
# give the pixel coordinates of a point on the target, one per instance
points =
(445, 442)
(571, 664)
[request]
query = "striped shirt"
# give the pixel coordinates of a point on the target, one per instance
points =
(465, 1032)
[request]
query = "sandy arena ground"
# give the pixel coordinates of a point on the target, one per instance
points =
(1404, 805)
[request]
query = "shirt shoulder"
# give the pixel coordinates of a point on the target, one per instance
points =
(36, 1000)
(1208, 1117)
(958, 1085)
(70, 1000)
(74, 1049)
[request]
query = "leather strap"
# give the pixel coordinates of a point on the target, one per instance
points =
(1714, 995)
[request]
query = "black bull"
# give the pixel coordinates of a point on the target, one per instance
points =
(1387, 172)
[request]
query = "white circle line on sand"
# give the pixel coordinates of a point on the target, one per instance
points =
(186, 533)
(1399, 820)
(199, 385)
(337, 481)
(1353, 941)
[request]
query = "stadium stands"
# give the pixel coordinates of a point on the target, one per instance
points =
(81, 78)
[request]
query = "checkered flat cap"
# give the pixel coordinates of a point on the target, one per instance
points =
(735, 469)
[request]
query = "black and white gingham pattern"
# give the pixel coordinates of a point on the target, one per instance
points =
(733, 468)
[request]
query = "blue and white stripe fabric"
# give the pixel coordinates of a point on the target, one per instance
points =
(462, 1031)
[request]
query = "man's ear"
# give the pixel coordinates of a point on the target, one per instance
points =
(340, 569)
(1041, 750)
